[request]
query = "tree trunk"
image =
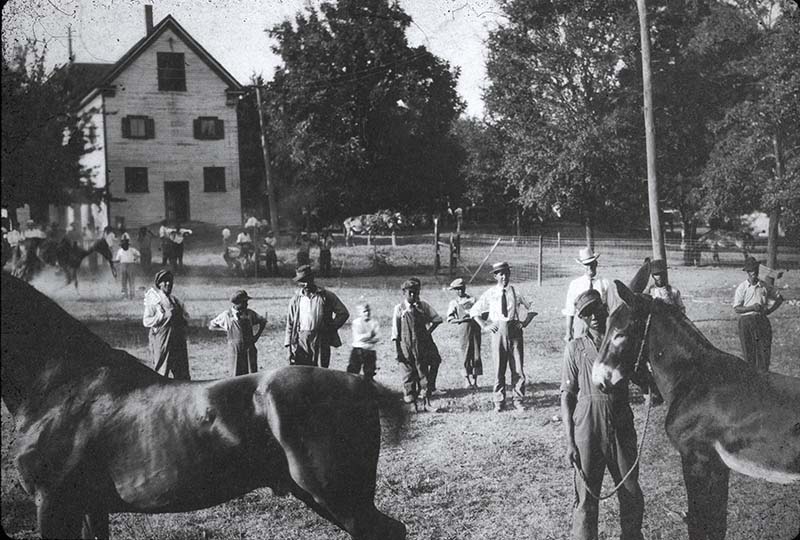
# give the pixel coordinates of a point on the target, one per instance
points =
(589, 232)
(775, 212)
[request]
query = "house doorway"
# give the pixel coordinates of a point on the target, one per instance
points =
(176, 201)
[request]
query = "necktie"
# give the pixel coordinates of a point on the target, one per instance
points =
(504, 304)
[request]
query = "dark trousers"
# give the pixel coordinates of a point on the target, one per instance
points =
(362, 359)
(325, 262)
(310, 351)
(415, 378)
(606, 439)
(755, 335)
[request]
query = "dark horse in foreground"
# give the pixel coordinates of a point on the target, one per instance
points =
(723, 414)
(98, 432)
(32, 254)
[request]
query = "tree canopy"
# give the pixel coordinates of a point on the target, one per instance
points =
(358, 119)
(41, 146)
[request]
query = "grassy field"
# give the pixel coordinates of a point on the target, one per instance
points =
(463, 472)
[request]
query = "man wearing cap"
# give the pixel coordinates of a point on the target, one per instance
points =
(128, 258)
(469, 331)
(753, 301)
(166, 318)
(312, 325)
(434, 357)
(589, 280)
(599, 429)
(502, 305)
(413, 322)
(661, 287)
(239, 322)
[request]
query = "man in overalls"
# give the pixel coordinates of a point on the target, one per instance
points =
(239, 322)
(166, 318)
(412, 324)
(599, 429)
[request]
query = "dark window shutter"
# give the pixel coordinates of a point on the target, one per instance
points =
(197, 133)
(126, 127)
(150, 128)
(220, 129)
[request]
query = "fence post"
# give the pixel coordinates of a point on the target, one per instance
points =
(394, 239)
(559, 241)
(436, 259)
(452, 254)
(540, 260)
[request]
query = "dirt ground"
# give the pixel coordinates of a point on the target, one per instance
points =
(463, 472)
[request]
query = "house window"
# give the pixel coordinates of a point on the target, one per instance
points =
(213, 179)
(209, 128)
(171, 72)
(136, 180)
(138, 127)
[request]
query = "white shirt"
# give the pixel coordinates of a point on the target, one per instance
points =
(748, 294)
(581, 284)
(13, 237)
(251, 222)
(365, 333)
(130, 255)
(668, 294)
(163, 231)
(223, 320)
(491, 302)
(243, 238)
(422, 306)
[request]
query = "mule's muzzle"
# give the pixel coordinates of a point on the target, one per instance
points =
(605, 377)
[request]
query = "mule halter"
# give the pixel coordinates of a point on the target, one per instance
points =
(638, 365)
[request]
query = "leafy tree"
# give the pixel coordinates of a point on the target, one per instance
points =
(42, 142)
(755, 162)
(358, 119)
(560, 71)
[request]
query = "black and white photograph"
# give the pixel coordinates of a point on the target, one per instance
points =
(400, 269)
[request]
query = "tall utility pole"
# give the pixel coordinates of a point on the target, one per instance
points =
(659, 251)
(273, 203)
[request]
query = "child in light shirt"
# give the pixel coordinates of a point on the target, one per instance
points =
(365, 337)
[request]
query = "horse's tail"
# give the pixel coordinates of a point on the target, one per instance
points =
(394, 413)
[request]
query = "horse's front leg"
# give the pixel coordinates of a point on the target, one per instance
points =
(706, 479)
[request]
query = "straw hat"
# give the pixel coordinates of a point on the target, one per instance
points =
(587, 256)
(500, 267)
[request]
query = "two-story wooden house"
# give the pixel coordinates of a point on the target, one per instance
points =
(163, 132)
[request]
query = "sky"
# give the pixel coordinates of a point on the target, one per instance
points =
(233, 31)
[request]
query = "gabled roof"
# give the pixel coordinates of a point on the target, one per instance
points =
(81, 77)
(167, 23)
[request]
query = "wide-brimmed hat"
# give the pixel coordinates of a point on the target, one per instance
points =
(751, 264)
(457, 283)
(240, 296)
(500, 267)
(658, 266)
(586, 299)
(303, 273)
(163, 275)
(410, 284)
(587, 256)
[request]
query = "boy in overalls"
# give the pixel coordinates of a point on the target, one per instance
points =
(240, 322)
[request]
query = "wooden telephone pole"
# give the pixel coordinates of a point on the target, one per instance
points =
(273, 203)
(659, 251)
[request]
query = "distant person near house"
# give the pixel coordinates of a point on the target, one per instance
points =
(314, 318)
(325, 259)
(240, 322)
(180, 236)
(753, 301)
(166, 249)
(128, 259)
(587, 258)
(303, 250)
(143, 238)
(167, 320)
(469, 332)
(365, 338)
(270, 255)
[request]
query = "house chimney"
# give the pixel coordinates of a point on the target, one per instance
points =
(148, 18)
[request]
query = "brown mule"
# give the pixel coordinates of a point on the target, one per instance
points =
(723, 414)
(32, 254)
(98, 432)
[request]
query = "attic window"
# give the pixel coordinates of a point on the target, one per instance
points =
(171, 72)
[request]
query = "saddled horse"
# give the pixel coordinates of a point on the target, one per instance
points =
(98, 432)
(32, 254)
(723, 414)
(371, 224)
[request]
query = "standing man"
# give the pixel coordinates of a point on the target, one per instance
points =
(128, 258)
(502, 306)
(313, 321)
(166, 243)
(599, 429)
(413, 322)
(753, 301)
(661, 287)
(166, 318)
(469, 331)
(325, 245)
(239, 322)
(589, 280)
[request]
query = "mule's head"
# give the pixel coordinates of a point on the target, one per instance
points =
(625, 328)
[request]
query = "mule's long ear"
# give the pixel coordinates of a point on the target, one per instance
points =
(639, 281)
(627, 295)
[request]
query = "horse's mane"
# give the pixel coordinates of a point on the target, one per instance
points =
(689, 329)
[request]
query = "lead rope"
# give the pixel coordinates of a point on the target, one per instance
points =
(601, 496)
